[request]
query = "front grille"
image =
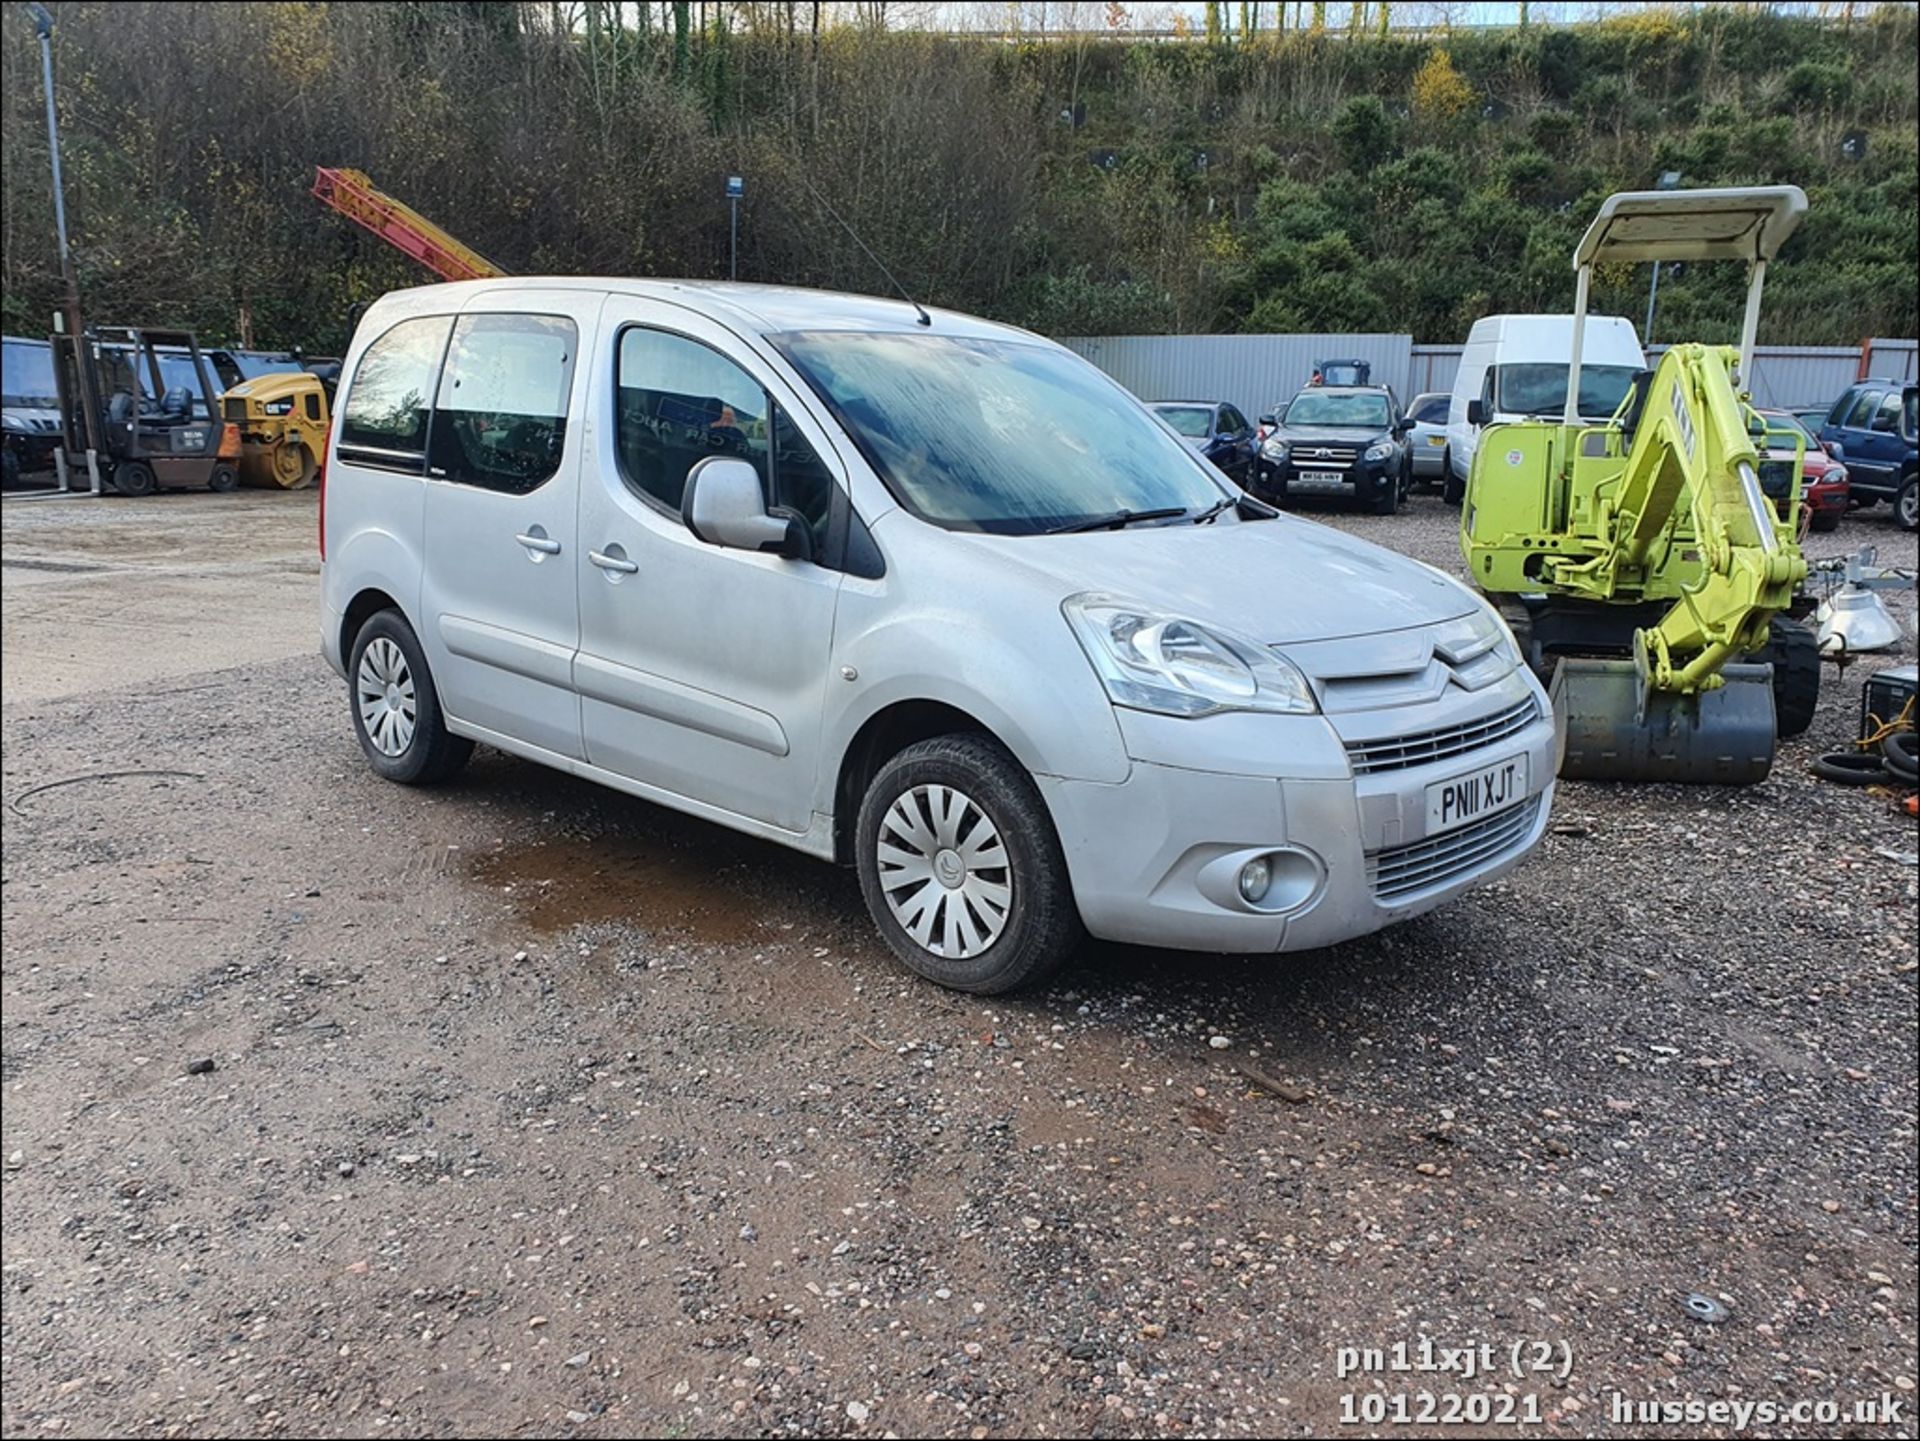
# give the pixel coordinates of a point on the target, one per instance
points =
(1400, 871)
(1776, 478)
(1335, 457)
(1399, 752)
(233, 408)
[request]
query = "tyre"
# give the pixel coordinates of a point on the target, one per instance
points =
(223, 479)
(1794, 652)
(9, 469)
(1388, 501)
(134, 477)
(396, 712)
(961, 868)
(1906, 505)
(1453, 490)
(1826, 520)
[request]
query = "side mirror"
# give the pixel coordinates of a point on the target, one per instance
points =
(723, 506)
(1268, 420)
(1476, 412)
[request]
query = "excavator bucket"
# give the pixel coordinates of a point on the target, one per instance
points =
(1616, 729)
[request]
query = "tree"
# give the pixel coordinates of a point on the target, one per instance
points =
(1440, 92)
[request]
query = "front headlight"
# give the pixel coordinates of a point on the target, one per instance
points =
(1168, 665)
(1275, 449)
(1380, 450)
(1838, 475)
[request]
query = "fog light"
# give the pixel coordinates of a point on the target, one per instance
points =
(1255, 876)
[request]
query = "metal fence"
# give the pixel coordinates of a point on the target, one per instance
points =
(1257, 372)
(1254, 372)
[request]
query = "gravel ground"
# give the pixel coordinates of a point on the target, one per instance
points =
(524, 1107)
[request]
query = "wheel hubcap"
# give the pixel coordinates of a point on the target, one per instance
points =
(384, 694)
(944, 871)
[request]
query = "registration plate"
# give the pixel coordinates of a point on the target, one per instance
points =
(1476, 795)
(1322, 477)
(1436, 440)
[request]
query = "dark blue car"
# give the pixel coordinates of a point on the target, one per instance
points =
(1871, 430)
(1216, 430)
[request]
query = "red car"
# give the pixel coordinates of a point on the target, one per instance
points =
(1823, 480)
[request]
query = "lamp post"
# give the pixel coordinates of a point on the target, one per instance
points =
(43, 27)
(736, 187)
(1669, 180)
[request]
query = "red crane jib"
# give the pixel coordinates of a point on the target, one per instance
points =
(406, 229)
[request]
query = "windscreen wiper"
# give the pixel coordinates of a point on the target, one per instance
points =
(1119, 519)
(1208, 515)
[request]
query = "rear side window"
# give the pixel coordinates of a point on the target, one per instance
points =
(1232, 421)
(1887, 417)
(392, 396)
(1863, 409)
(501, 419)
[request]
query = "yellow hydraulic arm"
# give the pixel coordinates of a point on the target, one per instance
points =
(1691, 448)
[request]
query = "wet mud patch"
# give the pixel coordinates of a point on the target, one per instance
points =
(714, 894)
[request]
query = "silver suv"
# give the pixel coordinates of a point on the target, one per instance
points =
(930, 597)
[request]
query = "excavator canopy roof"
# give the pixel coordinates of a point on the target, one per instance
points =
(1749, 223)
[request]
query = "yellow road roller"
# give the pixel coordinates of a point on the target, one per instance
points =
(283, 428)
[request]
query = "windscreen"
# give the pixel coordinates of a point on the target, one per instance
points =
(997, 435)
(1540, 388)
(1192, 421)
(1319, 408)
(253, 364)
(27, 366)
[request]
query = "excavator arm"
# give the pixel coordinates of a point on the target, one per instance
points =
(1692, 457)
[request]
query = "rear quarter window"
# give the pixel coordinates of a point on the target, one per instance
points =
(391, 397)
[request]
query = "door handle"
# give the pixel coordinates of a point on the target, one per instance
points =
(613, 562)
(535, 540)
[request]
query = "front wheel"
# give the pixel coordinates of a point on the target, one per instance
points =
(1906, 506)
(961, 868)
(1826, 520)
(134, 477)
(1387, 502)
(1453, 490)
(396, 711)
(224, 479)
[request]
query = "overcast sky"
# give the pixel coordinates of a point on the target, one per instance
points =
(1093, 14)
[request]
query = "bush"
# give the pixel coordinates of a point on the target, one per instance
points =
(1364, 133)
(1440, 92)
(1814, 86)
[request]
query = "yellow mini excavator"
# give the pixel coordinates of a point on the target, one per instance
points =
(1647, 563)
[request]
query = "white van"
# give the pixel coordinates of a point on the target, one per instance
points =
(1516, 366)
(930, 597)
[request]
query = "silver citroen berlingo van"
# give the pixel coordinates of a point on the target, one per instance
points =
(912, 592)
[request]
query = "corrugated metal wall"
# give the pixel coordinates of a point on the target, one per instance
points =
(1893, 359)
(1786, 377)
(1254, 372)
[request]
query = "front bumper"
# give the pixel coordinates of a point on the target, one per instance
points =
(1364, 479)
(1826, 499)
(1154, 858)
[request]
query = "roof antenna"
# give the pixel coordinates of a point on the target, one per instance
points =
(925, 319)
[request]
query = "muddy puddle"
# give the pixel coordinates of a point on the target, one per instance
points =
(711, 894)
